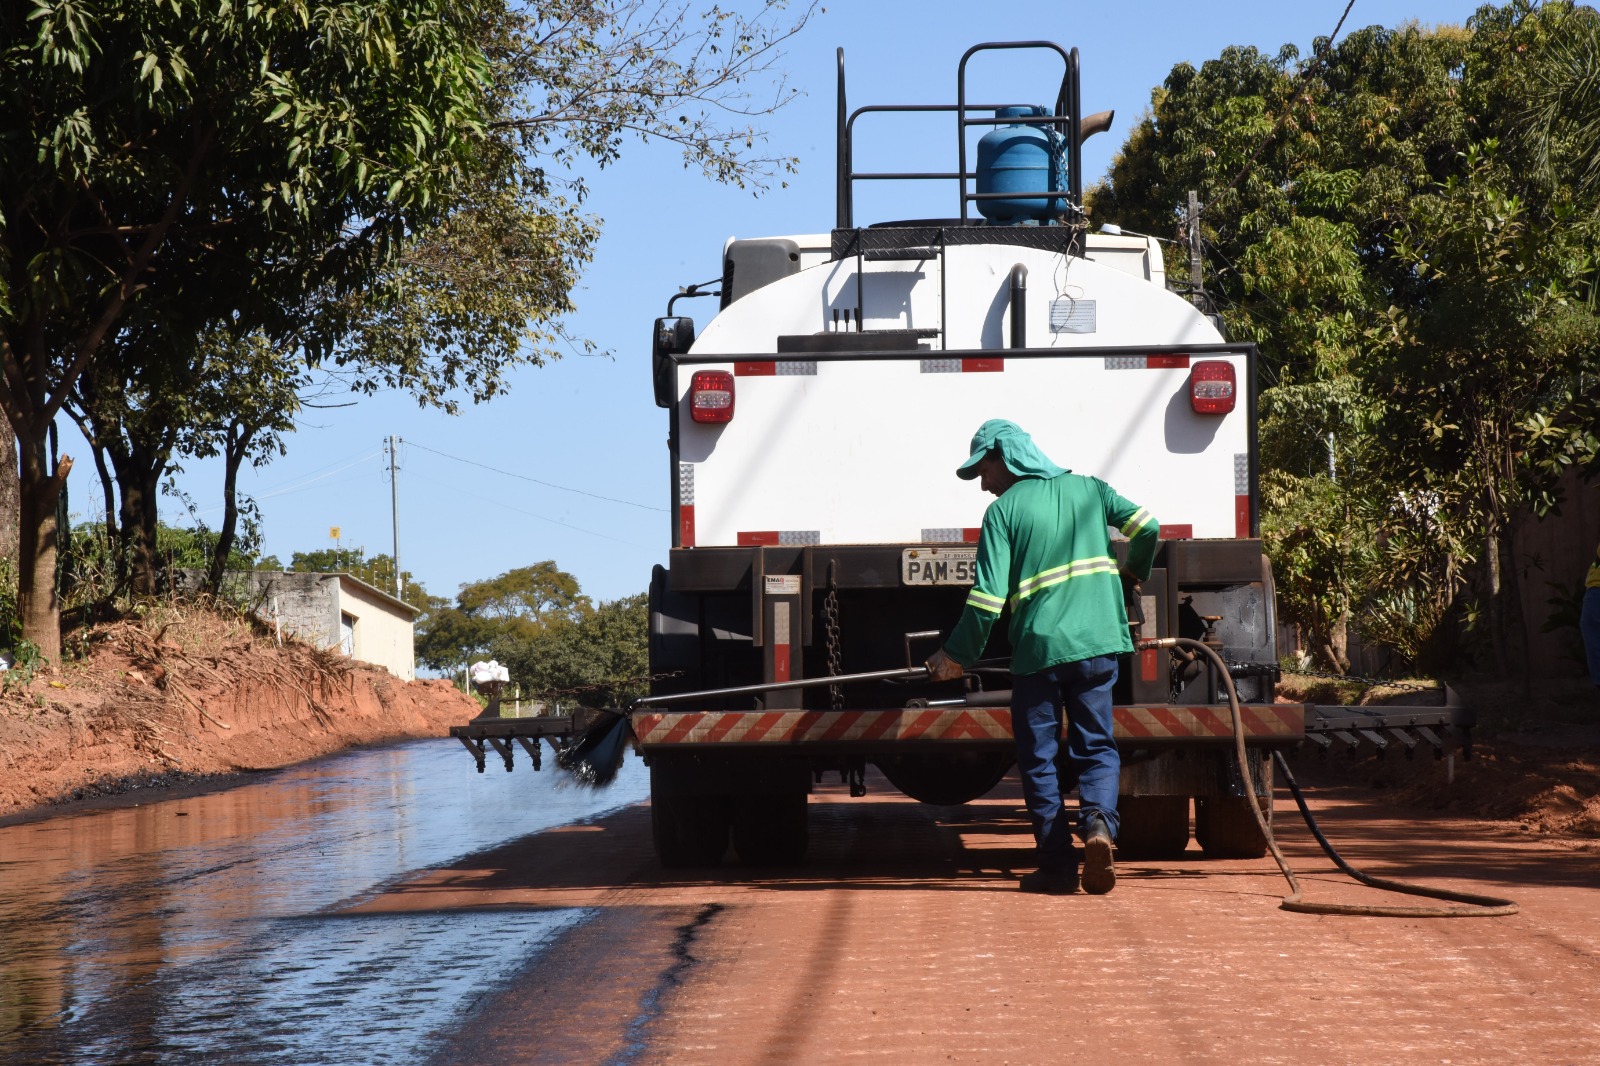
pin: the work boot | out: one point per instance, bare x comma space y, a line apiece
1099, 872
1051, 882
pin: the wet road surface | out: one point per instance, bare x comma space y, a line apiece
903, 939
364, 917
215, 928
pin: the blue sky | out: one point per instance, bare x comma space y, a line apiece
588, 423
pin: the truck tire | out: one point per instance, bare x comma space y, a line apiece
947, 779
689, 831
1153, 827
771, 830
1226, 829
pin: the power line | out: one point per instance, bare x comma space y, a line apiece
307, 483
553, 521
536, 481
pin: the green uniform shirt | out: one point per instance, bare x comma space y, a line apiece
1045, 550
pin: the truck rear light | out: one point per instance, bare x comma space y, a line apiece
711, 396
1212, 387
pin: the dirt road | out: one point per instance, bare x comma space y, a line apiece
904, 939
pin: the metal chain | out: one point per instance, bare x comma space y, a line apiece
830, 618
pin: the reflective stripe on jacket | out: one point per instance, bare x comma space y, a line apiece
1045, 552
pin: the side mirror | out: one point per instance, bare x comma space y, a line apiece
673, 336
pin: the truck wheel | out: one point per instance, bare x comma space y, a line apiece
1153, 827
689, 831
1226, 829
771, 830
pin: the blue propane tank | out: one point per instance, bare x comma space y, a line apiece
1021, 158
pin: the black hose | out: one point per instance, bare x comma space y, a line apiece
1477, 906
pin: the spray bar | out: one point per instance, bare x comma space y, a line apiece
904, 673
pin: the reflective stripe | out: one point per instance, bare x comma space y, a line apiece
1140, 519
985, 602
1102, 564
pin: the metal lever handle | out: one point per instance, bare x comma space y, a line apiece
924, 634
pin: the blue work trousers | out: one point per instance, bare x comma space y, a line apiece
1080, 691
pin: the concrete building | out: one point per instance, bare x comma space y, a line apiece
331, 611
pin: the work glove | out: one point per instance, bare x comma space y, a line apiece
1132, 599
943, 668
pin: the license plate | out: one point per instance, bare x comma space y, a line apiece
938, 566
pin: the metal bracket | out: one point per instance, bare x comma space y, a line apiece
532, 748
476, 748
506, 750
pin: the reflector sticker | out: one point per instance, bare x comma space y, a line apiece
1072, 316
1147, 362
1174, 532
1241, 516
756, 538
766, 368
951, 535
963, 366
1241, 474
664, 728
685, 482
686, 526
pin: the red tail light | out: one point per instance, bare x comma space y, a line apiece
1212, 387
711, 396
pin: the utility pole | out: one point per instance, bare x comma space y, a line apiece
1196, 282
394, 508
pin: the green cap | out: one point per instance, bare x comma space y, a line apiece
1022, 457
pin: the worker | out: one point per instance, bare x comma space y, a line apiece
1589, 620
1045, 551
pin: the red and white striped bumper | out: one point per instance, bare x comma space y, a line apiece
1263, 723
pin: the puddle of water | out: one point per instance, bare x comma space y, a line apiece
190, 930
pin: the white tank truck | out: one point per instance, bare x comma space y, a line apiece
819, 535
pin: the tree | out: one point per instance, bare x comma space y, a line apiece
601, 660
1403, 222
246, 403
282, 148
492, 615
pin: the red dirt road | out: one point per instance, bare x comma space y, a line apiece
904, 939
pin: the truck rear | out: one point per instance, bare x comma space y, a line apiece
818, 530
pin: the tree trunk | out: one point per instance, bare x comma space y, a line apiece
10, 492
39, 541
138, 472
233, 456
1497, 625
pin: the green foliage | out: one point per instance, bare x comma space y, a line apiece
384, 192
1405, 223
10, 622
491, 615
600, 660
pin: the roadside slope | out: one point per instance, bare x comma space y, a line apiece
184, 693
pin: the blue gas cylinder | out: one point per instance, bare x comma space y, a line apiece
1021, 158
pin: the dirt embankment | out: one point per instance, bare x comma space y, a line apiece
182, 695
1535, 756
